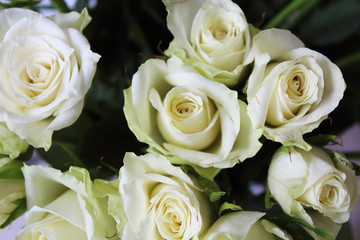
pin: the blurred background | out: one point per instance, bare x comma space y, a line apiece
128, 32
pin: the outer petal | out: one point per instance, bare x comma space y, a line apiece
30, 132
287, 172
44, 184
241, 225
247, 143
182, 12
10, 143
72, 19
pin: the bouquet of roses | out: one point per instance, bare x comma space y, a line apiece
227, 107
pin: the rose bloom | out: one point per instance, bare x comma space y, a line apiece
292, 89
313, 186
213, 35
180, 113
244, 225
66, 205
46, 67
160, 201
12, 189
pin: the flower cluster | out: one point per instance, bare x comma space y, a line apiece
222, 90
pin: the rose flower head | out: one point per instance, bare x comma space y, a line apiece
161, 201
315, 186
188, 117
212, 35
46, 67
291, 89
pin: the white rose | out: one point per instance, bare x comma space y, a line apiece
10, 143
12, 189
213, 35
161, 201
66, 206
46, 67
244, 225
181, 113
292, 89
313, 186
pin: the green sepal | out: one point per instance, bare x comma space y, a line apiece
228, 207
269, 199
208, 186
356, 168
18, 211
12, 170
341, 157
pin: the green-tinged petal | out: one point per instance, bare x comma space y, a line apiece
247, 143
104, 194
237, 225
72, 19
30, 132
10, 143
274, 229
44, 184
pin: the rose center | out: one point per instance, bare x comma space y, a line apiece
171, 212
329, 195
219, 31
296, 85
185, 109
37, 72
190, 110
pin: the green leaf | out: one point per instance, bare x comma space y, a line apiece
323, 140
12, 170
61, 156
60, 5
284, 13
333, 23
287, 220
228, 207
19, 210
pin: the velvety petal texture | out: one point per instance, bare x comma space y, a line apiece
212, 35
46, 67
160, 201
67, 205
314, 186
291, 89
182, 114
